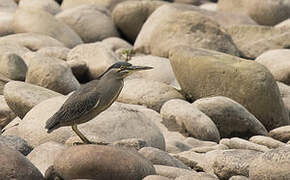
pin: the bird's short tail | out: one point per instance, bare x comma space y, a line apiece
51, 125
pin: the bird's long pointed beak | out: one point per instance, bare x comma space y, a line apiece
138, 68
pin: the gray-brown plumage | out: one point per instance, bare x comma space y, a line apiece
92, 98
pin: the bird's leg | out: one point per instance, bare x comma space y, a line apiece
83, 138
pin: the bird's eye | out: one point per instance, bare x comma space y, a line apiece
122, 67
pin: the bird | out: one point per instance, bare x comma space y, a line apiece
92, 98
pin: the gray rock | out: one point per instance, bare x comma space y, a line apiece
238, 143
22, 97
158, 157
12, 49
102, 162
130, 16
192, 2
110, 4
120, 121
285, 93
131, 143
231, 118
51, 73
97, 56
281, 133
31, 41
115, 43
16, 143
172, 172
246, 82
38, 21
151, 94
45, 154
199, 176
198, 143
233, 162
15, 166
204, 149
49, 6
161, 72
155, 177
190, 119
278, 64
6, 23
273, 164
90, 22
209, 6
253, 41
268, 13
57, 52
166, 27
266, 141
6, 114
238, 178
3, 81
13, 67
191, 159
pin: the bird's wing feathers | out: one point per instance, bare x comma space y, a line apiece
78, 104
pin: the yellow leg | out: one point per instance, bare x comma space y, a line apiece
83, 138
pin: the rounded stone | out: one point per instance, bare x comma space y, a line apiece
231, 118
22, 97
38, 21
273, 164
49, 6
14, 165
202, 73
193, 121
91, 23
102, 162
16, 143
151, 94
13, 67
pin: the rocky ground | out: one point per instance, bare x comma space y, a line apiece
215, 106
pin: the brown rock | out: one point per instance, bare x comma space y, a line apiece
99, 162
203, 73
281, 133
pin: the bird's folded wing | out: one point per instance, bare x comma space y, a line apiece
73, 108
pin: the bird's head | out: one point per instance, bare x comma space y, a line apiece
123, 69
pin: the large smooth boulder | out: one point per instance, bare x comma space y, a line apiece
273, 164
202, 73
254, 40
166, 26
51, 73
57, 52
16, 143
268, 12
238, 143
97, 56
31, 41
233, 162
151, 94
38, 21
102, 162
14, 165
45, 154
13, 67
193, 121
12, 49
90, 22
277, 61
120, 121
22, 97
130, 16
231, 118
49, 6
